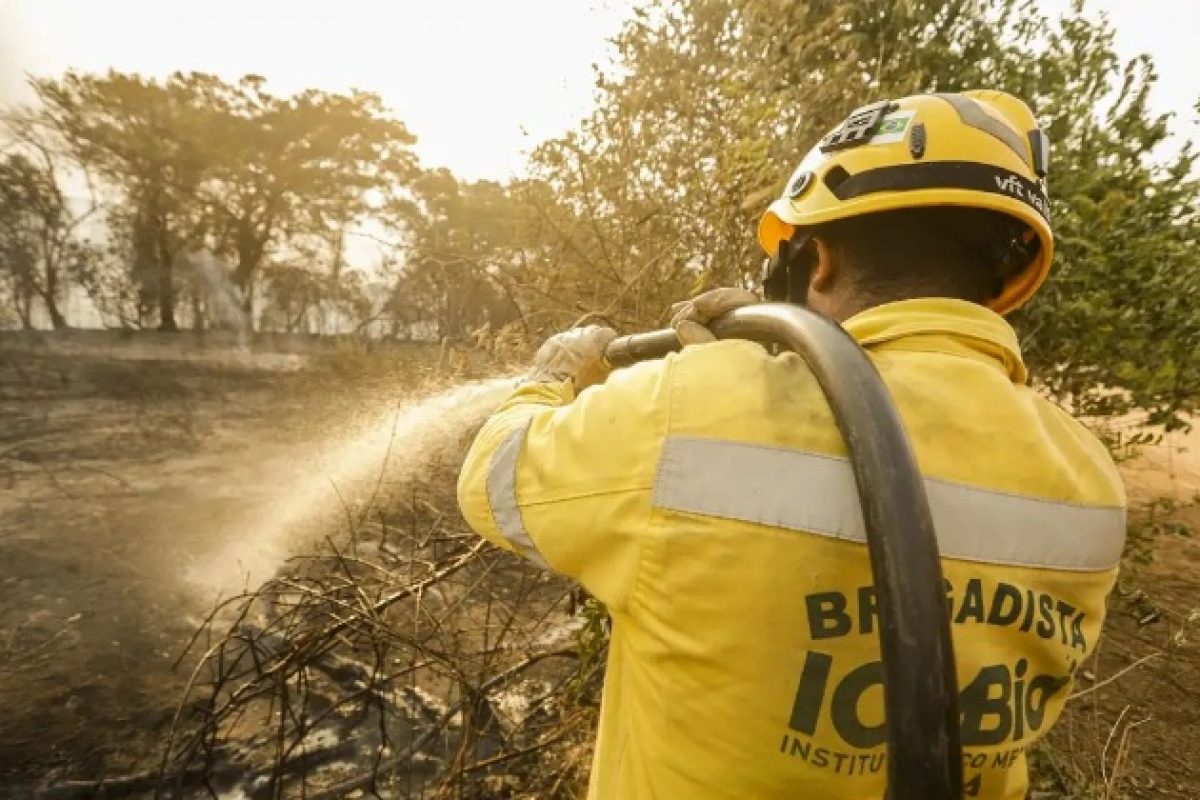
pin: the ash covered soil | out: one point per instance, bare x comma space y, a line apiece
1133, 729
127, 467
134, 473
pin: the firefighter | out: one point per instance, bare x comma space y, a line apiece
706, 498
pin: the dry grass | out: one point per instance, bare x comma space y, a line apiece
411, 660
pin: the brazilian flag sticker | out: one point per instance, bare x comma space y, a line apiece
893, 127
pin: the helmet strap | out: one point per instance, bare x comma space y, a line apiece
788, 272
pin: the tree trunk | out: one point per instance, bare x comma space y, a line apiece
166, 302
51, 253
56, 318
250, 249
50, 298
198, 313
166, 281
248, 304
25, 311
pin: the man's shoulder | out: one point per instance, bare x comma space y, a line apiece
1087, 450
729, 361
736, 369
738, 390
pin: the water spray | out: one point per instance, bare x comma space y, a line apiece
314, 497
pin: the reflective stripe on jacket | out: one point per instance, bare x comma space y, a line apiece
707, 501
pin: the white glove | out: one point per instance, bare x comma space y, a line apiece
689, 317
576, 355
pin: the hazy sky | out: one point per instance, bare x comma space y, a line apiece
478, 81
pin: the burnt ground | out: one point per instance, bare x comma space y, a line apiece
126, 465
1134, 729
1139, 735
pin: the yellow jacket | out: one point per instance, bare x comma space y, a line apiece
706, 500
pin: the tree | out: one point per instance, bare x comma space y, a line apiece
145, 141
39, 226
18, 248
294, 290
462, 238
200, 163
713, 102
308, 165
1115, 328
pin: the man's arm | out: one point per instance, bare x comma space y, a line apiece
566, 481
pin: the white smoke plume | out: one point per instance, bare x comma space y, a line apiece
224, 301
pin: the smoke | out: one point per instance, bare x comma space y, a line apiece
224, 301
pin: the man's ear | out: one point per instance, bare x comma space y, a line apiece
825, 269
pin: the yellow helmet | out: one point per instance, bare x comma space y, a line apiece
981, 149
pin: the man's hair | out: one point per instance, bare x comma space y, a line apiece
935, 251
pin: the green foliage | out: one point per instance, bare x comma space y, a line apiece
1113, 329
593, 642
712, 102
1152, 520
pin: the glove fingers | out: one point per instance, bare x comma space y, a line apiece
684, 311
599, 337
721, 301
577, 354
690, 332
689, 317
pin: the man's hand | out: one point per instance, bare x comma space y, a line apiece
576, 355
690, 317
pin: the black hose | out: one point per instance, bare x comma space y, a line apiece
920, 686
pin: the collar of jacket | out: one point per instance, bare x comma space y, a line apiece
941, 325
